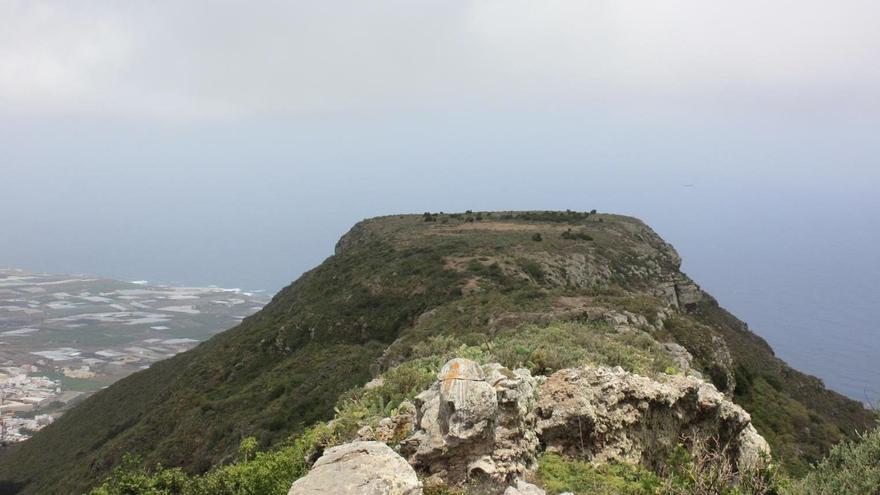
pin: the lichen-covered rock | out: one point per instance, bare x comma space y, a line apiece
754, 451
687, 293
363, 468
680, 356
488, 423
467, 403
475, 421
523, 488
607, 414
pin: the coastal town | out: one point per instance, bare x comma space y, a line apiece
64, 337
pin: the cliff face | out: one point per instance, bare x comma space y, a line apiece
403, 288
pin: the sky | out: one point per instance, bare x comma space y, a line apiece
176, 62
178, 126
232, 143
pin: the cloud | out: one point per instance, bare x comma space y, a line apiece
51, 55
217, 60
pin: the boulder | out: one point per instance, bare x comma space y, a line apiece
363, 468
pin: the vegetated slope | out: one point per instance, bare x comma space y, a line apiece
398, 282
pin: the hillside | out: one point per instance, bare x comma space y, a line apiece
401, 288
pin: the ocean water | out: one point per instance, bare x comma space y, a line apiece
804, 275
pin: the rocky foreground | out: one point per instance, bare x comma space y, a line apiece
487, 425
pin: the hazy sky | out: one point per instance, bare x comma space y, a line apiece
232, 142
191, 61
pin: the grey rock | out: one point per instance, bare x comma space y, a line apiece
687, 293
607, 414
680, 355
489, 423
754, 452
467, 402
364, 468
524, 488
475, 422
374, 383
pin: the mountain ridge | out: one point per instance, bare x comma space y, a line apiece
393, 283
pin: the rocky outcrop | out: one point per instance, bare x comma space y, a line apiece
488, 422
679, 292
364, 468
680, 356
475, 422
607, 414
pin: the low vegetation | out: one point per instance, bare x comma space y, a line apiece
577, 236
851, 467
558, 475
255, 473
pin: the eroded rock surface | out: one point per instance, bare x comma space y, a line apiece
475, 422
488, 422
523, 488
605, 414
364, 468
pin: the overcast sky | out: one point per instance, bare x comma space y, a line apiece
183, 61
232, 142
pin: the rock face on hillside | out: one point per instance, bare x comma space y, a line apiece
490, 423
606, 414
364, 468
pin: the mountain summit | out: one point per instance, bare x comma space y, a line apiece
542, 291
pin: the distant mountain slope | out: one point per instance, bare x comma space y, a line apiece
393, 283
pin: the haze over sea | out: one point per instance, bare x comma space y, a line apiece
778, 219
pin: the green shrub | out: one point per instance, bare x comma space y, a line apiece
583, 236
551, 216
702, 472
532, 269
545, 349
851, 467
537, 237
706, 470
558, 475
361, 406
260, 473
129, 478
